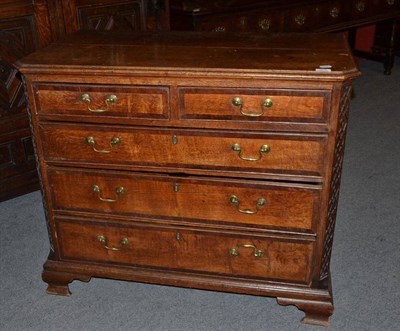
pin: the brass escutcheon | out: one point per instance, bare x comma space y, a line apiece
103, 240
111, 99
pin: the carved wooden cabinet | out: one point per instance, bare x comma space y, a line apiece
26, 26
193, 160
266, 16
18, 36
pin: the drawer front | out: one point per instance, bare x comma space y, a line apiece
180, 249
283, 154
322, 16
209, 200
360, 9
261, 21
253, 105
102, 102
308, 18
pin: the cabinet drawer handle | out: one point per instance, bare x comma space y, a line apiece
264, 149
118, 191
103, 240
113, 142
111, 99
234, 200
257, 252
238, 102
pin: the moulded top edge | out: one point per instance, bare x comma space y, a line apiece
186, 52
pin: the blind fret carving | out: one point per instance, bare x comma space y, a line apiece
335, 180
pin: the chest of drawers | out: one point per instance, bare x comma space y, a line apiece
191, 160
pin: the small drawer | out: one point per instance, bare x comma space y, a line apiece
360, 9
222, 201
186, 250
101, 101
253, 105
308, 18
282, 154
247, 21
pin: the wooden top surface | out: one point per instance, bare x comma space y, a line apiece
199, 52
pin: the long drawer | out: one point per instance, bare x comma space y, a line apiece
265, 204
197, 149
181, 249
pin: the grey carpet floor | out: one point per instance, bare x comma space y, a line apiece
365, 262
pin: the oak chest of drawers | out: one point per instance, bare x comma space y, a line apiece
191, 160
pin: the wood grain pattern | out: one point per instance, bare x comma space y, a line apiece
43, 22
152, 51
187, 199
286, 105
194, 251
289, 154
132, 102
162, 210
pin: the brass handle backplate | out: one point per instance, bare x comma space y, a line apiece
113, 142
234, 200
334, 12
360, 6
300, 19
110, 100
238, 102
264, 149
103, 240
118, 191
257, 252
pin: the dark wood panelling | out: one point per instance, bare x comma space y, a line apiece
125, 16
26, 26
17, 168
42, 22
293, 16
